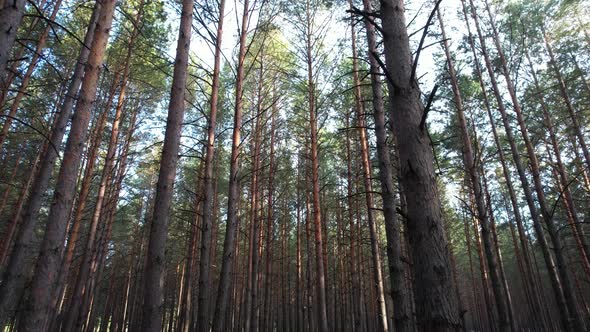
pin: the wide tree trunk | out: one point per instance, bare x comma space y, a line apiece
402, 316
64, 192
153, 310
11, 16
437, 306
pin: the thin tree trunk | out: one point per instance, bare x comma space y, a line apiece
76, 308
575, 316
110, 207
266, 313
76, 223
309, 305
14, 221
567, 100
560, 277
27, 76
474, 288
563, 176
315, 180
204, 311
505, 321
507, 175
485, 283
354, 277
366, 167
229, 244
7, 190
299, 298
251, 303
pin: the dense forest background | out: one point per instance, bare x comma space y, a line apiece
308, 165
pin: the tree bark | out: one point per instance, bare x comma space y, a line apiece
366, 167
266, 313
11, 16
204, 310
469, 162
7, 190
27, 76
563, 175
76, 223
229, 243
65, 187
250, 303
561, 279
507, 177
436, 301
567, 100
401, 316
76, 311
315, 179
153, 310
14, 221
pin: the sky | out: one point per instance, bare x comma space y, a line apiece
338, 28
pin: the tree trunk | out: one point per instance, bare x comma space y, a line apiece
402, 317
504, 319
76, 311
9, 186
354, 274
366, 167
48, 262
266, 313
436, 300
14, 221
507, 176
299, 297
251, 303
567, 100
27, 76
229, 243
204, 307
16, 267
153, 310
315, 180
563, 176
11, 16
76, 223
560, 276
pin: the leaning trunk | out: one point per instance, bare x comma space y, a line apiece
153, 310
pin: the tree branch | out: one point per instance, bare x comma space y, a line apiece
424, 33
427, 108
